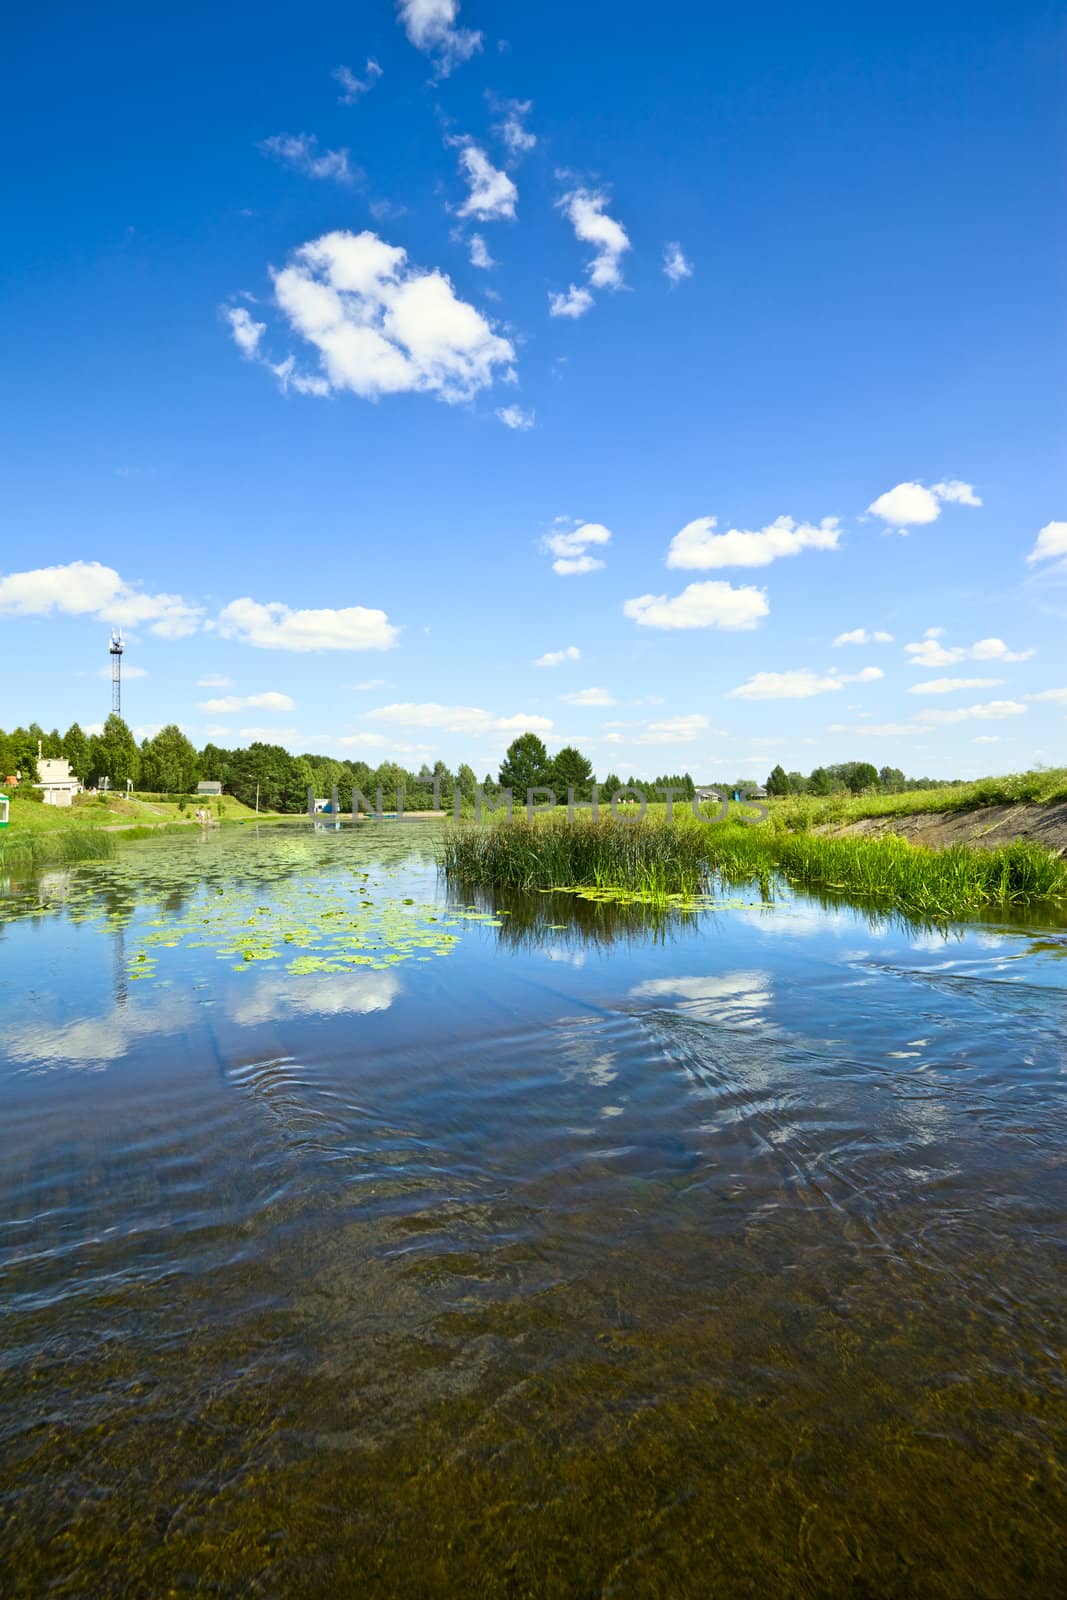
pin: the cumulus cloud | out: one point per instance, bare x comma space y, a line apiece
555, 658
950, 685
301, 152
214, 680
913, 504
675, 265
930, 652
696, 547
515, 418
353, 741
246, 332
570, 547
584, 210
272, 700
861, 636
431, 27
1051, 542
275, 626
479, 252
991, 711
513, 130
352, 87
590, 697
800, 684
87, 588
492, 195
382, 326
574, 302
673, 730
714, 604
459, 719
1057, 696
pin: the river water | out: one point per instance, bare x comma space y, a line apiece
362, 1236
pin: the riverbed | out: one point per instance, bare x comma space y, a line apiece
362, 1234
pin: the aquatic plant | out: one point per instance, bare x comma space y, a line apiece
657, 860
23, 852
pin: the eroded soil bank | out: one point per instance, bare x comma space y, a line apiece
986, 826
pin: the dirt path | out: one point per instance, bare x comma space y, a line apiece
987, 826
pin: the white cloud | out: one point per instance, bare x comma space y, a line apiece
675, 265
570, 547
513, 130
515, 418
276, 627
800, 684
574, 303
1057, 696
300, 151
492, 193
246, 332
354, 87
584, 209
382, 326
86, 588
929, 652
674, 730
950, 685
991, 711
353, 741
1051, 541
589, 697
480, 256
214, 680
554, 658
272, 700
861, 636
696, 547
459, 719
128, 672
987, 738
714, 604
912, 504
431, 27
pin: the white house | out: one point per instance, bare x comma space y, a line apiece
57, 783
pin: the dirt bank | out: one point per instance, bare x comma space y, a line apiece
986, 826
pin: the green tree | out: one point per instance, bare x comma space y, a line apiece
76, 749
169, 763
798, 784
820, 782
891, 778
863, 775
778, 782
571, 770
467, 783
113, 754
525, 766
611, 785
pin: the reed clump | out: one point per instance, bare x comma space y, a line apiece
659, 859
25, 852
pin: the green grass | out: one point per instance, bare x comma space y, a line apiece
27, 851
656, 859
798, 812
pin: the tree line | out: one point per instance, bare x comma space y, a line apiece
169, 763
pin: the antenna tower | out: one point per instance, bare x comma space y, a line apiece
116, 649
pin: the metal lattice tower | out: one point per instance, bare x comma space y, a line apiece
116, 650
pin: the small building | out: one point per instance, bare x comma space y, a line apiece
212, 789
57, 783
703, 795
5, 807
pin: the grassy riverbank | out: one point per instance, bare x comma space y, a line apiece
658, 859
798, 812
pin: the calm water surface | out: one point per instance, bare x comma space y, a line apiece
360, 1237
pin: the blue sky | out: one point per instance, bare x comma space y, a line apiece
344, 484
